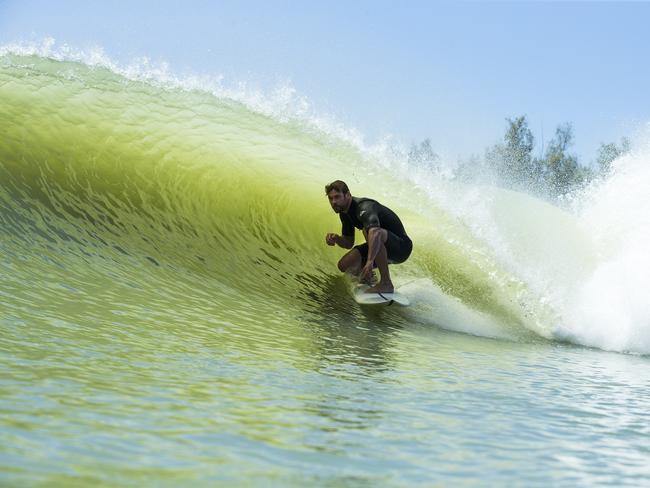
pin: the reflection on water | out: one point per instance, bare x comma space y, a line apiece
115, 388
341, 332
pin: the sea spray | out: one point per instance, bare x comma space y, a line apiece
610, 309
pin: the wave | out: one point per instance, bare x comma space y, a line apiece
191, 199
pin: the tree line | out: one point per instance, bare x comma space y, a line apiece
512, 164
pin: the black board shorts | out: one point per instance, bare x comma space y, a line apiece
398, 249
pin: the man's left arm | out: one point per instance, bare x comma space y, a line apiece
374, 235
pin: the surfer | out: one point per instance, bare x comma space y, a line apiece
386, 240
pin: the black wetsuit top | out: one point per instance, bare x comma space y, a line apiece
365, 213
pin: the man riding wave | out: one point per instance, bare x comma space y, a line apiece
386, 240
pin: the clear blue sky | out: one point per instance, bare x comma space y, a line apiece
448, 71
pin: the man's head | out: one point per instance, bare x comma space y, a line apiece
339, 196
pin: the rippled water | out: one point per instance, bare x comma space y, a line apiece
352, 402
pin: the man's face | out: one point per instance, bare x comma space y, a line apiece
339, 201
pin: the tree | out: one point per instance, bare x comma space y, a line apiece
512, 161
609, 152
554, 175
561, 170
423, 155
470, 169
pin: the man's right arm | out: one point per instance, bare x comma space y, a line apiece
345, 241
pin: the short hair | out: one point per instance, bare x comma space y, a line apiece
337, 185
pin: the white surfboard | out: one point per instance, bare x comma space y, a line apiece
363, 298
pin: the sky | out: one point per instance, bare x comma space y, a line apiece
448, 71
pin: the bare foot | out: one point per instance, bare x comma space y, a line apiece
371, 280
381, 288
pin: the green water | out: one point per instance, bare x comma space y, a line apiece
170, 314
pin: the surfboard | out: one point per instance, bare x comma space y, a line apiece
363, 298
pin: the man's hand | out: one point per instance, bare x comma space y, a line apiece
331, 239
366, 273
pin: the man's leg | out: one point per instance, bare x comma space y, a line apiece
350, 262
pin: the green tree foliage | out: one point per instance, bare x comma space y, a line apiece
512, 162
555, 174
608, 153
560, 169
469, 170
423, 156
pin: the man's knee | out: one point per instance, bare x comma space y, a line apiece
350, 260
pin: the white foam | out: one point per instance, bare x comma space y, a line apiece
431, 306
611, 308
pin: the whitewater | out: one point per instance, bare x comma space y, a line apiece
171, 314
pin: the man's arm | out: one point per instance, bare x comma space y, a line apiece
346, 241
343, 241
376, 236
